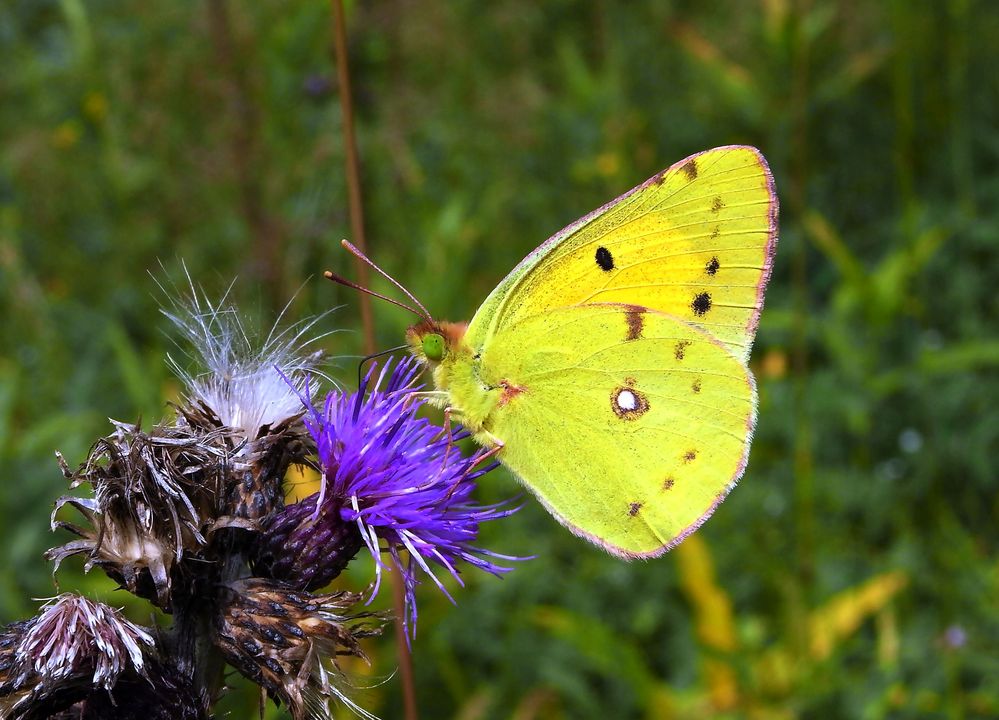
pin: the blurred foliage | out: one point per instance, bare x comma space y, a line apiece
854, 573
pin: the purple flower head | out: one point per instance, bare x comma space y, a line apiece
402, 480
955, 637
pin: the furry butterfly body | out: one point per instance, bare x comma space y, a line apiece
609, 367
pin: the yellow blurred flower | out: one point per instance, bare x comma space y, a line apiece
840, 617
66, 135
608, 164
774, 364
300, 482
95, 106
713, 616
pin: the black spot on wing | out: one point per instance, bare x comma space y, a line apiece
717, 205
689, 169
690, 456
696, 386
668, 483
701, 303
680, 349
604, 259
633, 508
712, 267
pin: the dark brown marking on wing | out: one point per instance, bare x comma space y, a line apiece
633, 315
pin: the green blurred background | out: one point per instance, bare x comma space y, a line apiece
854, 571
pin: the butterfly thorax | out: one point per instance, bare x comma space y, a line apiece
456, 372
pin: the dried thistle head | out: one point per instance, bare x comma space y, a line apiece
288, 642
158, 494
10, 638
154, 496
71, 650
251, 387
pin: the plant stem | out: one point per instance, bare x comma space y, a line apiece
357, 228
353, 170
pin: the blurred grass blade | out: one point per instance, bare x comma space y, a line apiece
713, 618
841, 616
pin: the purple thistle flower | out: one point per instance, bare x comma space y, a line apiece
402, 480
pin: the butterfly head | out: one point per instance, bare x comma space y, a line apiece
432, 341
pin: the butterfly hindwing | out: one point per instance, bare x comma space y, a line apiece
696, 241
630, 425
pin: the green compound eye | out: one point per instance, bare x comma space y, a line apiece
433, 347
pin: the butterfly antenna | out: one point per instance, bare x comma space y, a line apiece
361, 256
344, 281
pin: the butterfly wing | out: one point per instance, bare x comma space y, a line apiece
696, 241
630, 425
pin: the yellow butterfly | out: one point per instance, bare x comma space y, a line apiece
608, 369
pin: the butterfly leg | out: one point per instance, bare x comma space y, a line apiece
434, 397
448, 412
487, 439
480, 461
491, 452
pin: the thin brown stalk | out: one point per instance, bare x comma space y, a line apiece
353, 170
353, 166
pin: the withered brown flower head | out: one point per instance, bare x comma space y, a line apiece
288, 641
155, 494
158, 495
72, 648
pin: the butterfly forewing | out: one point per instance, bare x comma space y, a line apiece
695, 241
